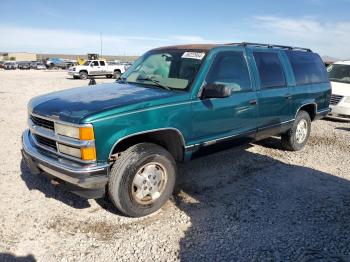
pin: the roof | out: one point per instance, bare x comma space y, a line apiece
346, 62
207, 47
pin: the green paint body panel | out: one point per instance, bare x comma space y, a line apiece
200, 121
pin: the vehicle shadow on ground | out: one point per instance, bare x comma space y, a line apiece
343, 128
7, 257
246, 206
41, 183
271, 142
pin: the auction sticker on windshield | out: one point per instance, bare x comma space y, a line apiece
194, 55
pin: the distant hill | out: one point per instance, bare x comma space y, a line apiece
329, 59
74, 57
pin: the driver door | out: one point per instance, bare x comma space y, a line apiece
95, 68
217, 118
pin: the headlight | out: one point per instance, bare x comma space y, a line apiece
82, 133
85, 153
347, 100
71, 151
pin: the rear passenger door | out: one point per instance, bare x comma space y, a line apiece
103, 68
274, 99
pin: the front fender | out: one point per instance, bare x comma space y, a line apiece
110, 130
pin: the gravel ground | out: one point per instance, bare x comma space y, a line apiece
254, 202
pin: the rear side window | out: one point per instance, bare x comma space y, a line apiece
102, 63
270, 69
308, 67
230, 69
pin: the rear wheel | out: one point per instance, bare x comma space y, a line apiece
296, 137
142, 179
117, 74
83, 75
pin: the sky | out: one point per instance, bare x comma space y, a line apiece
135, 26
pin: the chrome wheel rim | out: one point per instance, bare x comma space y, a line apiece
149, 183
301, 131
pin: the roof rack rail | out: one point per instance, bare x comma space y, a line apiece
271, 46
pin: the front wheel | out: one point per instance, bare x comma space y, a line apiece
297, 136
83, 75
142, 179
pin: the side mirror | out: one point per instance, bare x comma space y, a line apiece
215, 91
92, 65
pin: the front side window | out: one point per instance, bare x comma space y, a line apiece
308, 67
339, 73
174, 69
230, 69
95, 63
270, 70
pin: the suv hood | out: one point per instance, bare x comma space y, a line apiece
342, 89
73, 105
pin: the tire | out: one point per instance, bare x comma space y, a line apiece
117, 74
297, 136
142, 161
109, 76
83, 75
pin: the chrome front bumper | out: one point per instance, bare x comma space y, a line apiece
73, 73
87, 180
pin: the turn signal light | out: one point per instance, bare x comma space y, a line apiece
86, 133
88, 153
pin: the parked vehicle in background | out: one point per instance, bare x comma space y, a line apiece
96, 68
40, 66
339, 75
10, 65
69, 64
126, 137
23, 65
56, 63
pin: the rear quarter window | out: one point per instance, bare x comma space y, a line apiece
308, 67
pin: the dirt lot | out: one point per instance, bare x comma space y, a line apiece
254, 202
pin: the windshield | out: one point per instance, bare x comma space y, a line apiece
339, 73
173, 69
87, 63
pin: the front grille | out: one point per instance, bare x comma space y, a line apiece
38, 121
335, 99
46, 142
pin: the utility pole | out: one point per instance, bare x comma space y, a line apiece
101, 44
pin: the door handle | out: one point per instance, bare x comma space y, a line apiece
253, 102
289, 97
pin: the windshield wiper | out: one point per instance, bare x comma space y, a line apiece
155, 82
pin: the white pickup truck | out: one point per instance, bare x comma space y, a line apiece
96, 68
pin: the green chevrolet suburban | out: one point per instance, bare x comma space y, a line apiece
124, 139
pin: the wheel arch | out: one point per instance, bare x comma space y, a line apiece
169, 138
310, 108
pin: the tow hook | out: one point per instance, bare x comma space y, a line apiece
55, 182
